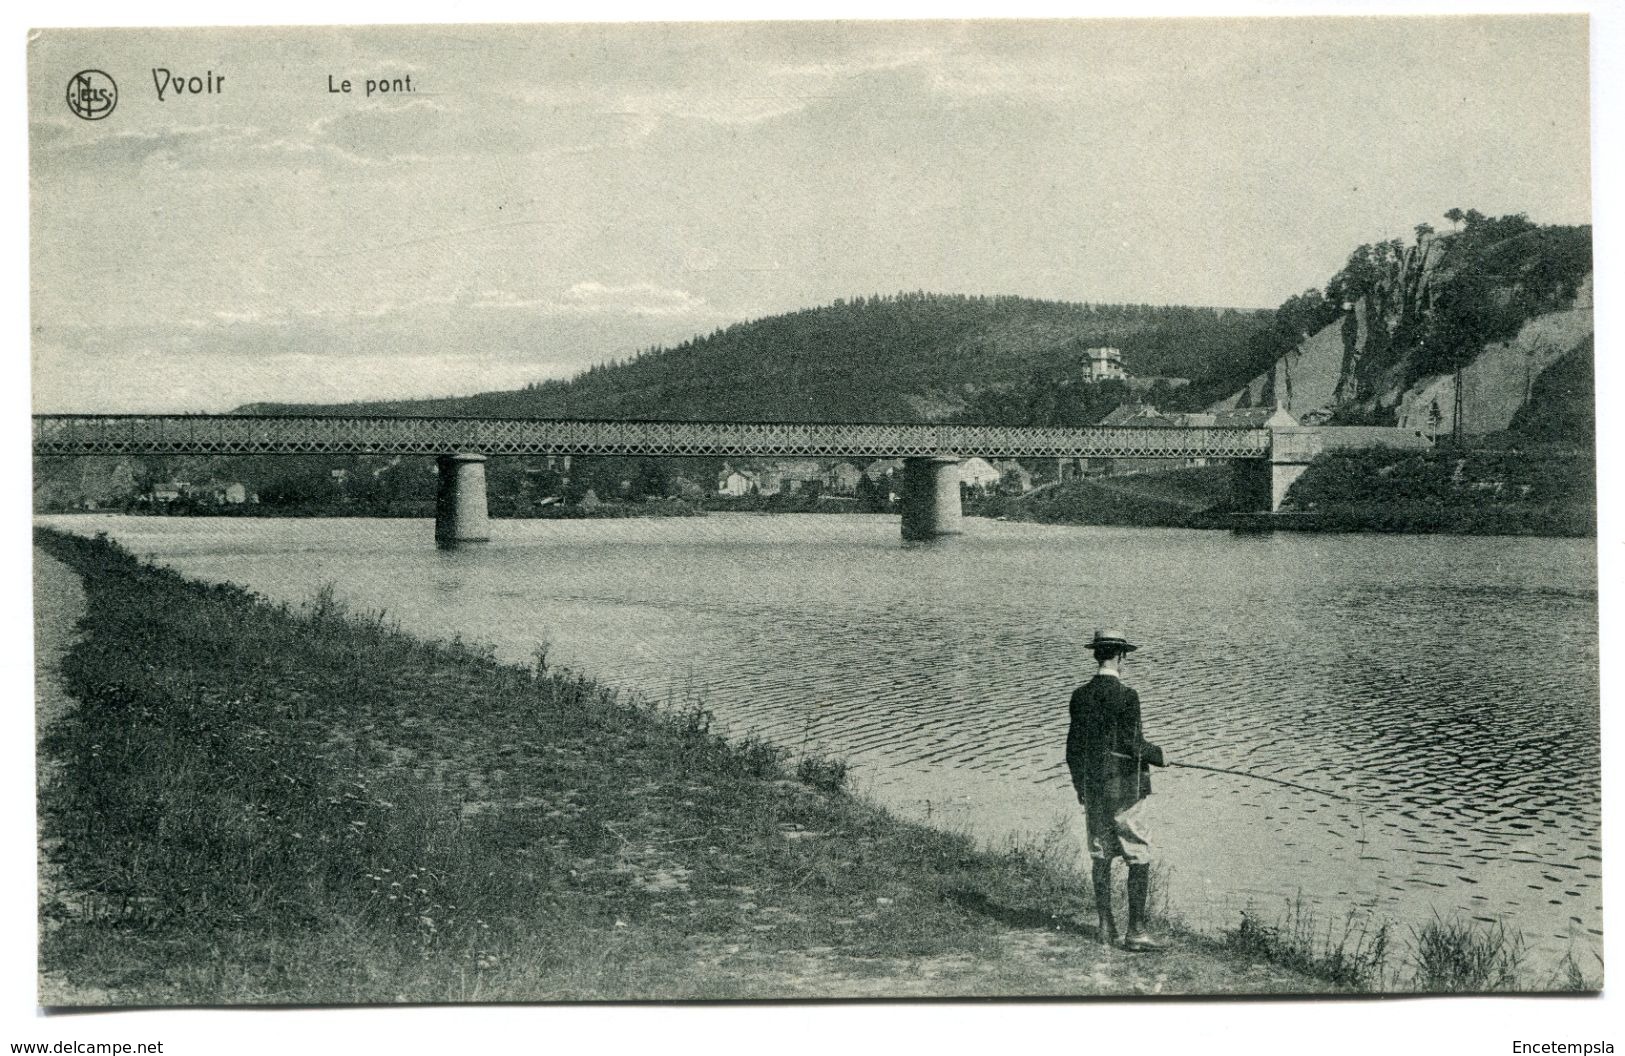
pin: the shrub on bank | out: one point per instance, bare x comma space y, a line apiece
1458, 956
1191, 497
1529, 490
1445, 955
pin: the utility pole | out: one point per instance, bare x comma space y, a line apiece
1455, 417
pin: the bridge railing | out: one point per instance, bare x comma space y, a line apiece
327, 434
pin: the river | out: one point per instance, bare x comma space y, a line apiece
1447, 687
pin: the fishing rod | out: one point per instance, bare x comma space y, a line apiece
1261, 777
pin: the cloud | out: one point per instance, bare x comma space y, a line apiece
217, 359
638, 298
220, 146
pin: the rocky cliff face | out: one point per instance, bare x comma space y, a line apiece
1379, 361
1501, 379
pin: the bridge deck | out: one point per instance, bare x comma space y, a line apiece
357, 435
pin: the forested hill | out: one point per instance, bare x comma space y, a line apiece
908, 357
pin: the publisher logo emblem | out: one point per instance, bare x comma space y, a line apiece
92, 95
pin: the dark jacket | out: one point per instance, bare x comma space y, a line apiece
1106, 750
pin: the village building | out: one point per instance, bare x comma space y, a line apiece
685, 489
979, 473
1146, 384
791, 477
1134, 414
1275, 417
736, 482
1137, 415
880, 469
885, 477
1143, 415
1103, 364
842, 479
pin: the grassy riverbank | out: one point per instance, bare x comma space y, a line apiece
1193, 497
250, 803
256, 804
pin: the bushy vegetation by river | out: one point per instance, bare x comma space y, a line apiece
1505, 488
1502, 486
1193, 497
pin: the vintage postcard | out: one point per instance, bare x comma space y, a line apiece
814, 510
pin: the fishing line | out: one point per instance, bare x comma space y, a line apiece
1359, 807
1261, 777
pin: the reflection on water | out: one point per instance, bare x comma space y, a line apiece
1447, 686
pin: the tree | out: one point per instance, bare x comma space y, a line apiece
1455, 216
1423, 230
650, 478
1304, 313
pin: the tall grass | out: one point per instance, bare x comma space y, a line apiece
1352, 952
822, 772
1443, 955
1460, 956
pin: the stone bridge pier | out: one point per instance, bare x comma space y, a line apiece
459, 506
1259, 485
930, 498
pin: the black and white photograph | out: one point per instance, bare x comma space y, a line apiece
823, 510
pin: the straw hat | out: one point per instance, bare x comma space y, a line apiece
1111, 637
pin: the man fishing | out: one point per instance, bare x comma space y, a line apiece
1110, 760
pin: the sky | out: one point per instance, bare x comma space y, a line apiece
548, 197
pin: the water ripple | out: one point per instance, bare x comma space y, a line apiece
1411, 675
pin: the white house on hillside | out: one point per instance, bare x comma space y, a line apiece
1103, 364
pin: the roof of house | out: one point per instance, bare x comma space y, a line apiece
978, 467
800, 469
1254, 417
1131, 413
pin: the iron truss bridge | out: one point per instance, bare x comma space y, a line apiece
89, 434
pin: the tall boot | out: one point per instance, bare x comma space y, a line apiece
1139, 892
1102, 877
